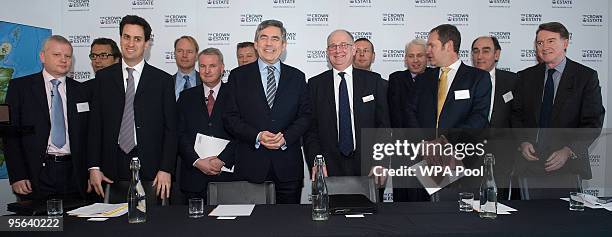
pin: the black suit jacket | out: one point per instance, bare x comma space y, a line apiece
154, 115
322, 137
248, 114
400, 84
505, 82
577, 104
471, 112
25, 154
193, 118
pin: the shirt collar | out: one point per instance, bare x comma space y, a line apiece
138, 67
492, 73
262, 65
192, 74
561, 66
455, 65
348, 71
215, 89
48, 77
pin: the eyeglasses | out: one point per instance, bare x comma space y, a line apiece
364, 51
336, 47
93, 56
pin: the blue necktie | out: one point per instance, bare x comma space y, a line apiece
187, 84
547, 100
58, 128
345, 131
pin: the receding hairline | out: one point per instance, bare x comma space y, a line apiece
350, 36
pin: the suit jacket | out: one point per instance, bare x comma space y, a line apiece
248, 114
577, 104
198, 80
471, 112
322, 137
505, 82
154, 115
26, 153
193, 118
400, 85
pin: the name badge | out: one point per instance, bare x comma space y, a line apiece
462, 94
368, 98
83, 107
508, 97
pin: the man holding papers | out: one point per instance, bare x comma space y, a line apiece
200, 111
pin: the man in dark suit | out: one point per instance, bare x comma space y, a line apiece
50, 161
453, 95
400, 82
103, 53
133, 115
268, 112
185, 53
344, 100
556, 93
486, 52
200, 110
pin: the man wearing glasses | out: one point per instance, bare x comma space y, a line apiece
343, 100
364, 56
103, 53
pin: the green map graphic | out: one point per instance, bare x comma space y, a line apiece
20, 46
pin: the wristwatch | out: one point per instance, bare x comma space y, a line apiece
573, 156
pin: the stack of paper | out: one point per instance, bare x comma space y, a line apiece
207, 146
232, 210
590, 201
100, 210
501, 208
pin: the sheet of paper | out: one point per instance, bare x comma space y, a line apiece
102, 210
607, 206
207, 146
355, 216
430, 185
501, 208
226, 217
232, 210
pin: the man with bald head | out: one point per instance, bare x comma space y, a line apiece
344, 100
49, 162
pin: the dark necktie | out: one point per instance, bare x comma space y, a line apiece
211, 102
270, 86
345, 130
547, 100
187, 84
58, 128
126, 133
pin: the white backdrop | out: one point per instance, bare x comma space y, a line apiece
389, 24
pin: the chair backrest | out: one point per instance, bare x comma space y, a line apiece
241, 192
548, 186
117, 193
352, 185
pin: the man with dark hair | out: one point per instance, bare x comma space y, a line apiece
486, 52
364, 54
195, 117
556, 93
103, 53
453, 95
185, 53
133, 115
268, 112
49, 162
246, 53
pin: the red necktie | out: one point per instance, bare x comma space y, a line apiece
211, 102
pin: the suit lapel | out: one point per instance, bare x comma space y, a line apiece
538, 87
39, 91
118, 79
359, 86
71, 100
216, 105
449, 94
255, 82
497, 95
565, 87
328, 93
283, 82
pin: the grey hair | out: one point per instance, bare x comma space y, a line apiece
212, 51
417, 41
268, 23
342, 30
56, 38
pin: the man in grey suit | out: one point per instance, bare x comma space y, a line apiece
185, 53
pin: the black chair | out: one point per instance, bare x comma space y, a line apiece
548, 186
352, 185
117, 193
241, 192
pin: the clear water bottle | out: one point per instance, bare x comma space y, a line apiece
137, 205
488, 190
320, 198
